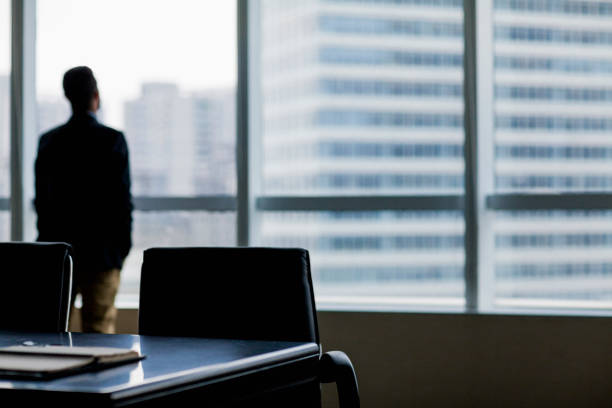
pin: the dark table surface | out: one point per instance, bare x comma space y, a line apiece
169, 362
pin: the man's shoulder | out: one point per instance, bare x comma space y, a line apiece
114, 136
48, 136
106, 136
108, 130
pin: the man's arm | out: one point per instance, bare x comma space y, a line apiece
123, 197
41, 193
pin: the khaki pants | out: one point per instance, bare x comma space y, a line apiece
98, 291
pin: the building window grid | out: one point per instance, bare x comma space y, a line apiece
539, 271
542, 93
390, 150
426, 3
377, 26
515, 122
389, 274
335, 86
359, 55
532, 34
596, 8
550, 64
558, 123
557, 240
552, 152
554, 182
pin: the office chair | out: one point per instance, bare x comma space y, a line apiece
35, 286
238, 293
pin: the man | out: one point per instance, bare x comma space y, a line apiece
83, 198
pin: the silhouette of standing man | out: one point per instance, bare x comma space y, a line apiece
83, 198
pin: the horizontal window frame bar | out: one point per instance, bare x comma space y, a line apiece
512, 201
561, 201
212, 203
5, 204
360, 203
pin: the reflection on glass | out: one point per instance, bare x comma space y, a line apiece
553, 259
137, 373
553, 96
172, 228
376, 258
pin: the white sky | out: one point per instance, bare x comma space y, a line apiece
127, 42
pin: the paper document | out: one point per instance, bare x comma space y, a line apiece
42, 361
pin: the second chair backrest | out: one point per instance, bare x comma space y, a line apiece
239, 293
35, 285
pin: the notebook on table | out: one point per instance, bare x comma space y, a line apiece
44, 362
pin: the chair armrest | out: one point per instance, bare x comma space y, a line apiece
335, 366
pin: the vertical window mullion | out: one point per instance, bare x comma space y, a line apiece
470, 156
242, 126
23, 110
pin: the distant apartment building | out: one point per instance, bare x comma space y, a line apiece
181, 145
52, 112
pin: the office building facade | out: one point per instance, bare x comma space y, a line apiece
365, 98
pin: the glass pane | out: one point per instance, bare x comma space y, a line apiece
377, 259
5, 225
365, 98
361, 97
172, 228
171, 90
553, 259
553, 95
168, 81
5, 68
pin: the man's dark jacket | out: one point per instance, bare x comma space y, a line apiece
83, 192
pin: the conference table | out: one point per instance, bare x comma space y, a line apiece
176, 370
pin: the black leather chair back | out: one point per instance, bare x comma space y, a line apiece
35, 285
239, 293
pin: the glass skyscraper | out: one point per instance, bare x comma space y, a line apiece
364, 97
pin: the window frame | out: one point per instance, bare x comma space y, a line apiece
478, 202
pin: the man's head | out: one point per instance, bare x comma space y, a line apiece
81, 89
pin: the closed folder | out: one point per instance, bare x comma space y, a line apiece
53, 361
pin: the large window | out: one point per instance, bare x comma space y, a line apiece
167, 77
364, 110
550, 221
430, 154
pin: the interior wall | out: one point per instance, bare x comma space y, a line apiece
459, 360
